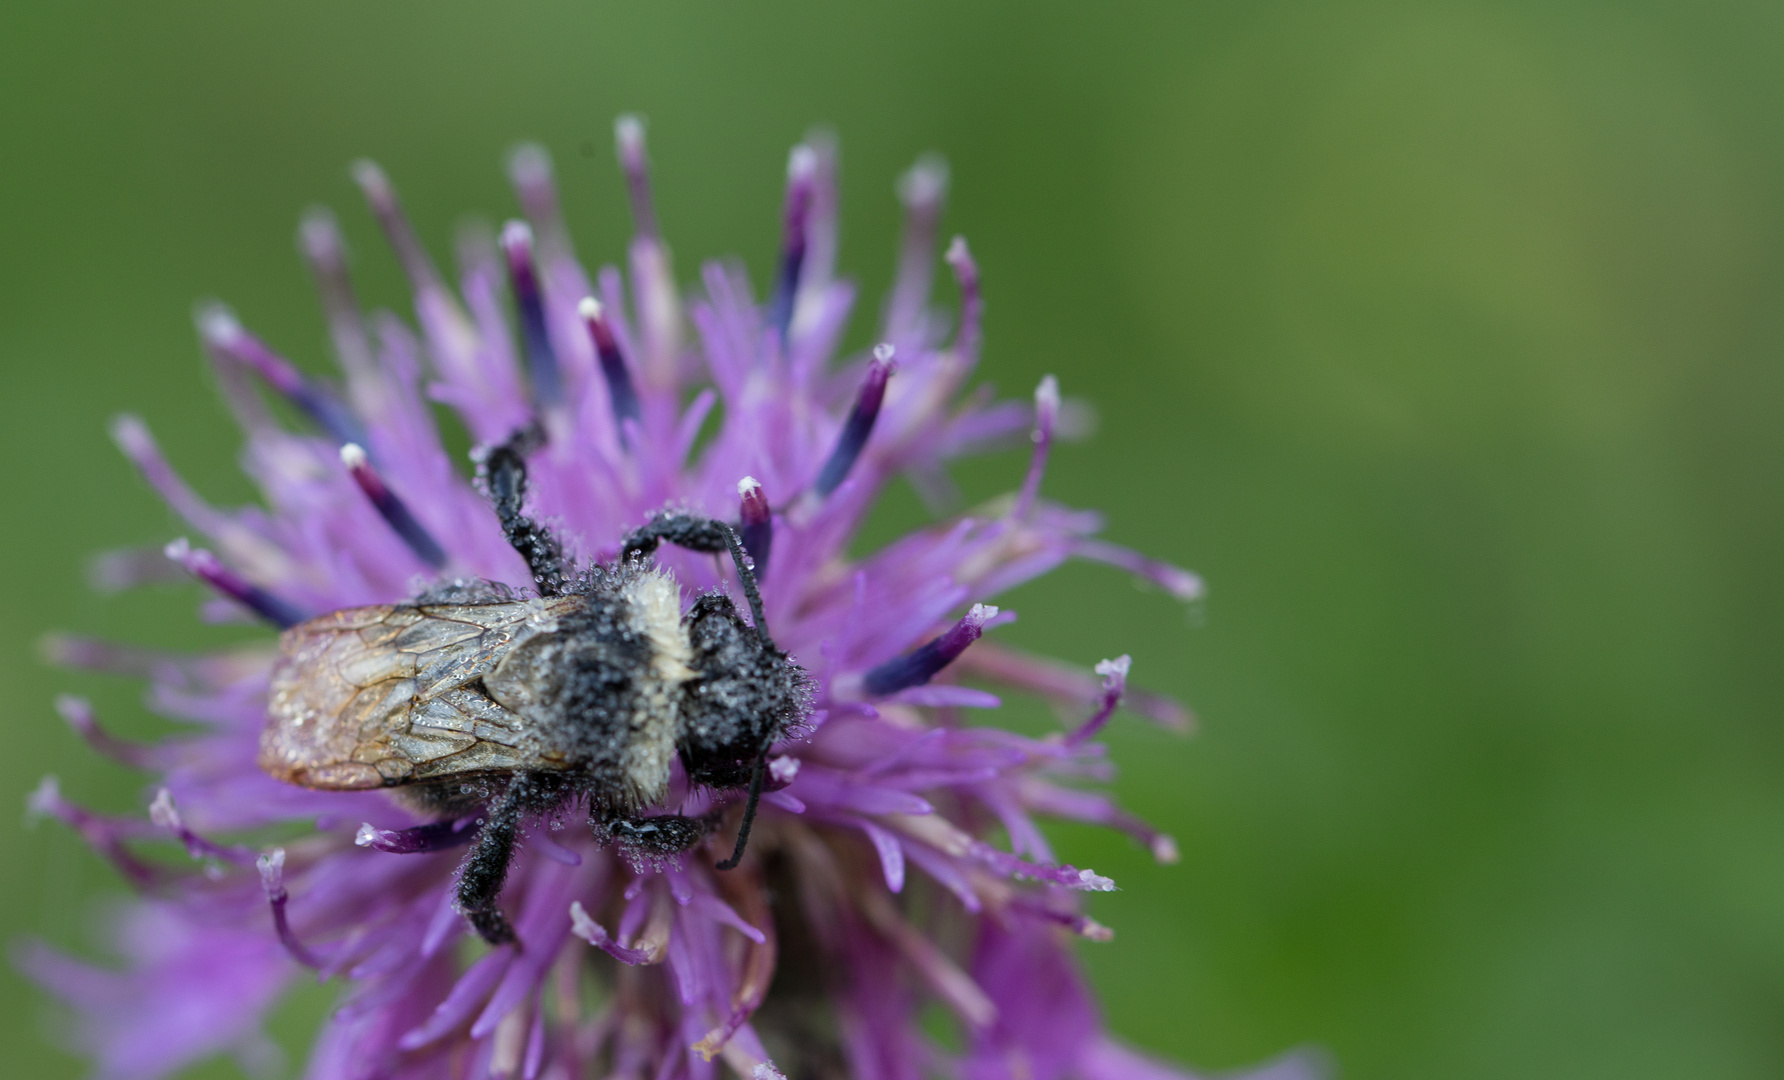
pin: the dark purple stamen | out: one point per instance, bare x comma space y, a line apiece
227, 338
434, 836
628, 137
204, 566
800, 169
272, 880
78, 712
860, 423
529, 303
393, 510
756, 525
917, 668
613, 366
1114, 673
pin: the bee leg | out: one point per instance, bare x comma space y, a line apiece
486, 869
656, 837
705, 535
749, 812
505, 471
682, 530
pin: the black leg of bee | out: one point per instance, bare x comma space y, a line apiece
657, 837
693, 533
749, 812
506, 470
706, 535
486, 869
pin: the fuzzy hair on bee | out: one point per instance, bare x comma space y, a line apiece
473, 700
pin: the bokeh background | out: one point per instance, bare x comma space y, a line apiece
1444, 339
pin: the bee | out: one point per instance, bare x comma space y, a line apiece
472, 700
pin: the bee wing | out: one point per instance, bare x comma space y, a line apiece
378, 696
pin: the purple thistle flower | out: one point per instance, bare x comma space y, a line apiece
870, 885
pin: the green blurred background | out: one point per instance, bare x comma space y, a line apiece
1443, 339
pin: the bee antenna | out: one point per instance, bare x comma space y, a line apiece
749, 809
747, 577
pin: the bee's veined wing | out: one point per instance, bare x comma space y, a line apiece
377, 696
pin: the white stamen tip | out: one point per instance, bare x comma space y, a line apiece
924, 183
375, 186
366, 834
748, 486
783, 769
272, 869
178, 549
884, 352
1046, 395
628, 131
802, 162
1182, 584
589, 308
767, 1071
1095, 882
217, 324
368, 175
981, 614
585, 927
77, 712
1096, 931
319, 236
163, 812
44, 799
1164, 850
1118, 666
528, 163
352, 455
132, 436
517, 234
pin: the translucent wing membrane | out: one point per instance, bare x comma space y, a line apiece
377, 696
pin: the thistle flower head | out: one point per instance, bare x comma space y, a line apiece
896, 860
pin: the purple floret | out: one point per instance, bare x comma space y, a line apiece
897, 860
